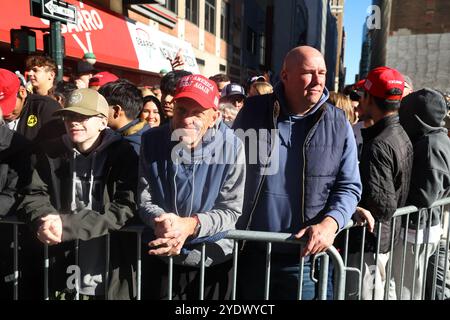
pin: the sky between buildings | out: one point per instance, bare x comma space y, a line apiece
355, 12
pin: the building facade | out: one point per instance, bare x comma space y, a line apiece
306, 22
133, 38
337, 9
416, 43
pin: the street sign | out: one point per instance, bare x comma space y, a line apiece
59, 10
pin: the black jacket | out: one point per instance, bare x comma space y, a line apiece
50, 192
15, 172
15, 168
385, 167
37, 122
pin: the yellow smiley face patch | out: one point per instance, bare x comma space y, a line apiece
32, 120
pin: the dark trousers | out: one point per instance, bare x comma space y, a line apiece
30, 264
284, 277
442, 285
186, 280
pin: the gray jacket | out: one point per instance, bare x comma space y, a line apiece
209, 184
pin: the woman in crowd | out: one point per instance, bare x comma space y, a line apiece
152, 112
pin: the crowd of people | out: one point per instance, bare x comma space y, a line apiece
195, 157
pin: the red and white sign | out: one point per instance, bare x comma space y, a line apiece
109, 36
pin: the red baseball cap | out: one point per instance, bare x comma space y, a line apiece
381, 80
102, 78
200, 89
359, 85
9, 87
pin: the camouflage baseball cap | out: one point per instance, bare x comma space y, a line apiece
87, 102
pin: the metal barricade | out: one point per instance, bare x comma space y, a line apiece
436, 281
235, 235
394, 285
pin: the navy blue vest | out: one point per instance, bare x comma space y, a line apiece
323, 153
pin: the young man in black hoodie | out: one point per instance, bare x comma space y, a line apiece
81, 190
422, 116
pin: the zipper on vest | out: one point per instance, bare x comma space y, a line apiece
305, 145
276, 113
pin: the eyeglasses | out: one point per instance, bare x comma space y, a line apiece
77, 117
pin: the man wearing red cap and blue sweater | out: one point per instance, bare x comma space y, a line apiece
385, 168
191, 186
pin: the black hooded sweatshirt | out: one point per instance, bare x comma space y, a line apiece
421, 115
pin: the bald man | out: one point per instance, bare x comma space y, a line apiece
308, 184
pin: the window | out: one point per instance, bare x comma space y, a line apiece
210, 16
262, 49
172, 5
251, 40
192, 11
225, 21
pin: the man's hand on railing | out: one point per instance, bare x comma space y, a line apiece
50, 229
362, 215
171, 232
320, 236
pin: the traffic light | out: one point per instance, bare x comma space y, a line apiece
23, 41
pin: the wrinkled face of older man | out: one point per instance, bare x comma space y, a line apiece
304, 76
191, 121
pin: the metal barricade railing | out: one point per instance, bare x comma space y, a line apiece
235, 235
339, 259
286, 238
389, 289
15, 272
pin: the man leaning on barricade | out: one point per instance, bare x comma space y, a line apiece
83, 187
422, 114
385, 167
304, 180
191, 187
15, 172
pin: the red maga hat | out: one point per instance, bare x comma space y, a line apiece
200, 89
102, 78
9, 87
380, 82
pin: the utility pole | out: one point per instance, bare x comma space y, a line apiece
57, 12
56, 47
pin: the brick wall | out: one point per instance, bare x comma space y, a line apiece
191, 34
210, 43
420, 16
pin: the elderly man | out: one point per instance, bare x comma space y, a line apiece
191, 186
308, 185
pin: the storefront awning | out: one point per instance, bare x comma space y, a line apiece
112, 38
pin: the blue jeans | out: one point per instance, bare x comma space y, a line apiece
284, 277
